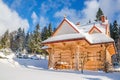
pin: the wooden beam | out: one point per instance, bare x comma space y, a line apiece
51, 62
77, 57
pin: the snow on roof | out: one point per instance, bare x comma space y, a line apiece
101, 27
92, 38
86, 28
45, 47
98, 38
64, 37
84, 33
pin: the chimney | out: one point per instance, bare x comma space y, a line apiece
78, 24
103, 18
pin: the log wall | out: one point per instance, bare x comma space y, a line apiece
70, 55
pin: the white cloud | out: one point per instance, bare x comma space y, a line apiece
34, 18
43, 21
110, 8
44, 8
9, 19
50, 5
71, 13
88, 13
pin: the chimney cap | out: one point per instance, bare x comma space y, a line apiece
103, 18
78, 23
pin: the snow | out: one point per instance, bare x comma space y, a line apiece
28, 69
24, 73
117, 69
92, 38
87, 27
64, 37
12, 68
32, 63
98, 38
45, 47
83, 33
1, 54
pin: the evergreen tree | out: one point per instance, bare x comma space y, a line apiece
27, 38
50, 30
18, 40
111, 32
30, 43
5, 40
23, 38
13, 43
115, 31
35, 40
44, 33
99, 14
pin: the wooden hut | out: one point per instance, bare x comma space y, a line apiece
86, 46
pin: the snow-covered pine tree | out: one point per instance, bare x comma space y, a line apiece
30, 43
115, 31
27, 39
35, 40
19, 40
50, 31
111, 27
44, 33
115, 35
12, 40
5, 40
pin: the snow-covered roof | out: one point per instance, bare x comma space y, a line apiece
45, 47
83, 32
64, 37
87, 27
98, 38
91, 38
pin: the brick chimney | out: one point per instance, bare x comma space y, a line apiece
103, 18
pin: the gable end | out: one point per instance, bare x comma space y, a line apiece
94, 29
68, 26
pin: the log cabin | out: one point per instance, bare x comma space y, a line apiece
74, 46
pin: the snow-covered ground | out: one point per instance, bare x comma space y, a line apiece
29, 69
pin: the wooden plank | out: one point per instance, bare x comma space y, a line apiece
65, 54
66, 57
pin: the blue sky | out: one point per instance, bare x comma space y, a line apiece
27, 13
